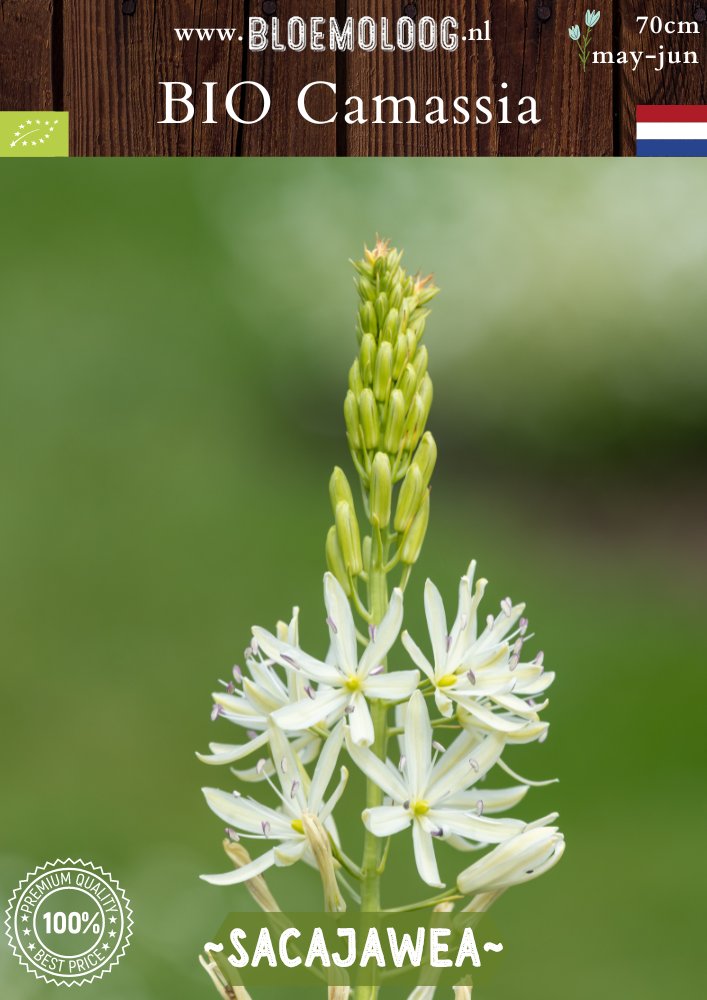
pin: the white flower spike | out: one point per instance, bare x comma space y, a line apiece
424, 791
347, 684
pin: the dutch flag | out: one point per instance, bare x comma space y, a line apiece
671, 130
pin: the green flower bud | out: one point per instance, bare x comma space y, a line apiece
383, 371
407, 383
381, 310
367, 357
390, 330
412, 544
339, 489
368, 416
414, 423
426, 456
417, 325
355, 381
420, 362
335, 560
366, 552
409, 499
395, 423
353, 428
349, 537
400, 356
366, 290
381, 489
367, 318
425, 393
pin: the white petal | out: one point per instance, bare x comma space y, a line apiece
306, 747
384, 821
437, 624
489, 719
325, 768
479, 828
292, 657
286, 767
385, 775
425, 856
290, 852
245, 872
226, 753
386, 633
443, 703
360, 721
492, 799
418, 744
417, 656
309, 711
343, 632
463, 773
392, 687
327, 809
243, 813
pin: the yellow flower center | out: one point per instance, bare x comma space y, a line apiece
447, 681
353, 683
297, 825
419, 807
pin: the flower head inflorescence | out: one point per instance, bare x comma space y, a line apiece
301, 711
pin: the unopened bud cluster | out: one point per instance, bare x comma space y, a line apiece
386, 410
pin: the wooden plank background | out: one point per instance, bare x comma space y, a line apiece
102, 60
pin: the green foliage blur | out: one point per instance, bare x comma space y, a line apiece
174, 343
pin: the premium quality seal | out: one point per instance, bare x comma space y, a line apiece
68, 922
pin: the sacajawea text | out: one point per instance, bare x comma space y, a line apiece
386, 948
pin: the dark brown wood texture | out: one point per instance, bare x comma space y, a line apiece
26, 31
103, 60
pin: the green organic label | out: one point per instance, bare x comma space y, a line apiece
34, 133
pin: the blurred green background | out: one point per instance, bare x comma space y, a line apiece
174, 343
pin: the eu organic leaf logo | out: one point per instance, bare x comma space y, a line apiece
30, 134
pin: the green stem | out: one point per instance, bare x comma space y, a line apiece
370, 864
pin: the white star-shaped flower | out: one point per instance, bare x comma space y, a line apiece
298, 797
250, 701
432, 793
346, 683
481, 670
